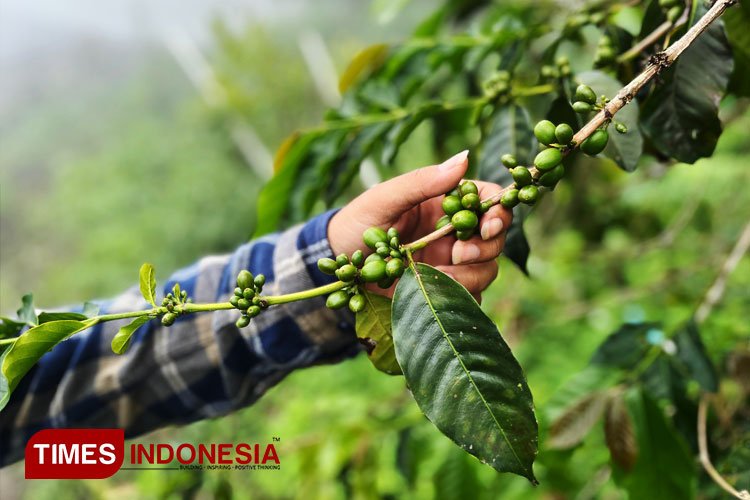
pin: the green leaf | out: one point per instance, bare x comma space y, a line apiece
90, 309
46, 317
736, 20
10, 328
457, 477
148, 283
691, 353
577, 421
681, 114
625, 347
511, 133
27, 350
664, 468
373, 328
274, 198
623, 149
461, 373
593, 378
366, 61
403, 129
122, 339
26, 313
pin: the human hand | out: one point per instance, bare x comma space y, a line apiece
412, 204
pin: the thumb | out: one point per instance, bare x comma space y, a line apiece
409, 190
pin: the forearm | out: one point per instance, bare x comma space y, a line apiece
200, 367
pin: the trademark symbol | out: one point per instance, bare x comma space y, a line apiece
276, 439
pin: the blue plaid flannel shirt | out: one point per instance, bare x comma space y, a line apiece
202, 366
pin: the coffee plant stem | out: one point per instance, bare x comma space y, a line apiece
705, 459
305, 294
658, 63
652, 37
7, 341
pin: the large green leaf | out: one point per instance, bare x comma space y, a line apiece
623, 149
46, 317
9, 327
461, 373
664, 468
737, 21
122, 339
374, 329
681, 114
147, 283
27, 350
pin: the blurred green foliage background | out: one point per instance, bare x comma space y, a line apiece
135, 166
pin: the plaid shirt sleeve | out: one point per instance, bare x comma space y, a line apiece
200, 367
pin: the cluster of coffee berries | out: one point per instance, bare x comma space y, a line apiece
173, 302
674, 9
247, 296
498, 83
605, 52
462, 208
561, 68
383, 267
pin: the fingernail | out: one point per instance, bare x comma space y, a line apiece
454, 160
465, 252
491, 228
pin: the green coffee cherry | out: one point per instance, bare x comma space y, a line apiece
395, 243
581, 107
465, 234
248, 293
237, 292
550, 178
347, 273
605, 54
373, 257
549, 71
243, 304
465, 219
373, 235
471, 201
386, 282
396, 254
383, 251
509, 198
337, 299
327, 266
545, 132
564, 133
509, 160
260, 280
373, 271
357, 303
358, 258
394, 268
243, 322
256, 300
442, 221
585, 93
597, 17
548, 159
528, 194
468, 187
451, 204
253, 311
342, 260
168, 319
245, 279
522, 176
674, 13
621, 128
596, 143
380, 244
234, 301
392, 233
486, 205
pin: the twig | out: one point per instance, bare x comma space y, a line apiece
717, 289
659, 62
652, 37
706, 459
